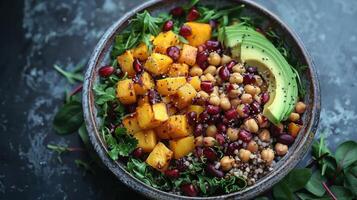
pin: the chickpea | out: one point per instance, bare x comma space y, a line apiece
203, 78
236, 78
226, 163
215, 91
251, 125
209, 141
238, 68
257, 90
199, 141
210, 70
218, 68
211, 78
232, 134
262, 121
246, 98
240, 110
252, 146
244, 155
211, 130
196, 71
225, 103
300, 107
281, 149
235, 102
264, 135
253, 90
214, 59
267, 155
294, 117
203, 95
257, 98
215, 100
225, 59
218, 80
234, 93
258, 80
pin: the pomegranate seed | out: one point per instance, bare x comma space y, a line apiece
180, 165
198, 130
252, 70
245, 135
189, 190
154, 96
286, 139
264, 98
275, 131
213, 24
106, 71
231, 64
231, 114
213, 171
212, 110
224, 73
193, 14
226, 121
204, 116
202, 57
138, 67
173, 173
207, 86
255, 107
191, 117
177, 12
185, 31
213, 45
173, 52
210, 154
248, 79
220, 139
231, 148
168, 25
138, 152
222, 128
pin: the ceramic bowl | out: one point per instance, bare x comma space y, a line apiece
296, 152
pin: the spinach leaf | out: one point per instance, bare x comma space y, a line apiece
69, 118
341, 193
281, 191
346, 154
351, 179
315, 184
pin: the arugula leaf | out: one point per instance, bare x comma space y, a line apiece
69, 118
315, 184
346, 154
72, 77
121, 145
217, 14
103, 94
191, 4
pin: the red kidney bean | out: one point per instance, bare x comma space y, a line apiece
185, 31
193, 14
199, 130
191, 117
275, 131
286, 139
212, 110
264, 98
221, 128
231, 64
224, 73
177, 12
212, 45
207, 86
252, 70
213, 119
189, 190
138, 152
299, 121
244, 135
172, 173
168, 25
213, 171
229, 87
138, 67
173, 52
248, 79
255, 107
220, 139
226, 121
106, 71
246, 110
231, 148
231, 114
204, 116
202, 58
210, 154
180, 165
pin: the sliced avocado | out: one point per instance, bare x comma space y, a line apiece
254, 49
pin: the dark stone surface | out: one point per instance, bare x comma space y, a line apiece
35, 35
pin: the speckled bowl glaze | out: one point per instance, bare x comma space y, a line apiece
296, 152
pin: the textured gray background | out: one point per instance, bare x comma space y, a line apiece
37, 34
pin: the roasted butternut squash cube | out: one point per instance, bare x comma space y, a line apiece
178, 69
293, 129
160, 112
146, 140
141, 52
145, 116
130, 122
126, 61
143, 99
185, 95
165, 40
188, 55
162, 131
178, 126
171, 109
200, 33
195, 82
160, 157
169, 86
196, 108
158, 64
144, 84
125, 91
182, 147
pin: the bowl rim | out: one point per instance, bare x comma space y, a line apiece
90, 119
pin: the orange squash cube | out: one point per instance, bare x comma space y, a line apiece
130, 122
145, 116
165, 40
200, 33
126, 61
185, 95
169, 86
125, 91
293, 129
195, 82
158, 64
182, 147
145, 83
146, 140
160, 157
188, 55
141, 52
178, 69
160, 112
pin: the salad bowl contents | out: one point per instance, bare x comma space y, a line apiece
198, 101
